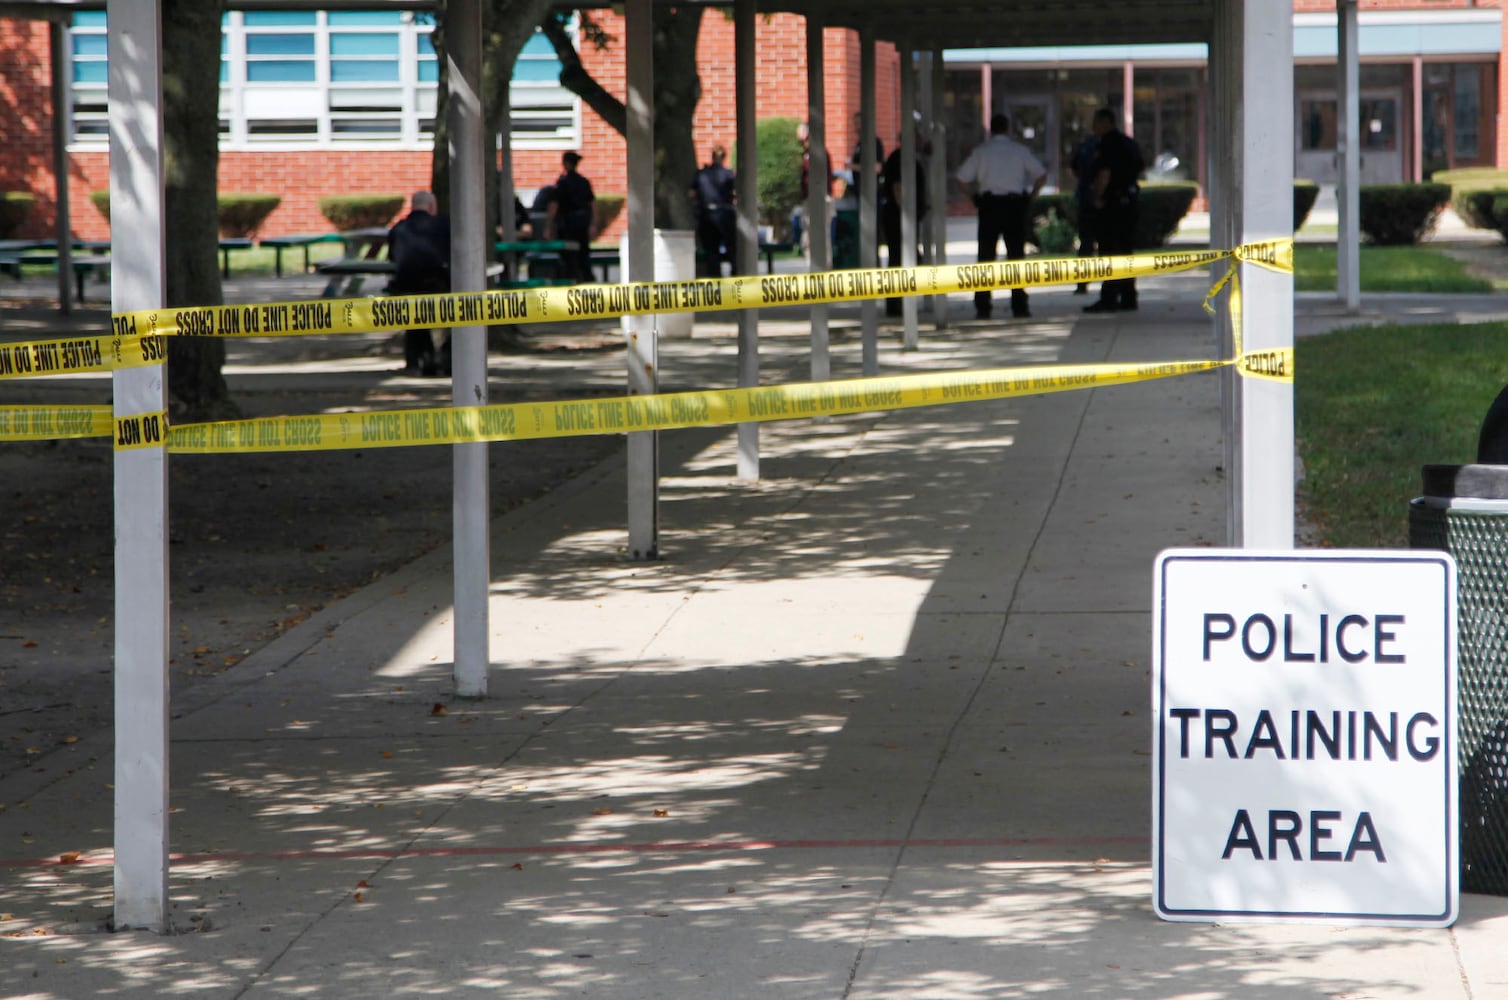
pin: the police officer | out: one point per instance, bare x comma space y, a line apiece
713, 191
1118, 165
1002, 176
571, 213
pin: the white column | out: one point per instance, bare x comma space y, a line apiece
868, 200
746, 170
909, 338
937, 180
468, 273
1348, 150
816, 201
138, 281
643, 347
1263, 199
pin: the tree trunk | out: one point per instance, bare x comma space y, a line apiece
677, 90
191, 152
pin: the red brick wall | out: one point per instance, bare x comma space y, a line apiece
26, 120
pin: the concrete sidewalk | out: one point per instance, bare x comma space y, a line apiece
876, 726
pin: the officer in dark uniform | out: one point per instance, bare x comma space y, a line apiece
419, 247
890, 210
1118, 165
712, 194
571, 217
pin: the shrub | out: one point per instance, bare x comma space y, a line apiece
1160, 208
15, 206
779, 174
1466, 187
1304, 195
1400, 214
101, 202
1055, 222
243, 214
607, 208
360, 211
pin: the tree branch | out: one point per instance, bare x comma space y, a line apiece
575, 78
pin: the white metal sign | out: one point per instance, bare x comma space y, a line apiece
1304, 736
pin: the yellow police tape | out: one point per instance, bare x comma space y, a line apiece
137, 340
49, 423
628, 414
576, 302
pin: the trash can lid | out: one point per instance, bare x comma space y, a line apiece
1486, 482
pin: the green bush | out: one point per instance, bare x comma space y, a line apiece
15, 206
1400, 214
1466, 187
1304, 195
1055, 222
607, 208
360, 211
779, 173
1160, 208
101, 201
243, 214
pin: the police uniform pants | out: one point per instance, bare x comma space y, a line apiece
1003, 217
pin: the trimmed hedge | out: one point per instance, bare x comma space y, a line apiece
360, 211
1160, 208
607, 208
15, 206
1305, 193
237, 214
1466, 187
243, 214
1400, 214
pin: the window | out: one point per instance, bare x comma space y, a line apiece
318, 78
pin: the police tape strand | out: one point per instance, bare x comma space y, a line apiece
136, 336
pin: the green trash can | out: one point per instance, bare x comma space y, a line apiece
1464, 511
846, 236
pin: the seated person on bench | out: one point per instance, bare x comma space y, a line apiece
419, 247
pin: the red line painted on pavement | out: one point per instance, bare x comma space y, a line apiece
650, 847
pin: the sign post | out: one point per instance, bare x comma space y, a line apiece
1304, 736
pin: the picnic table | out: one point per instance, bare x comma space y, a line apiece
227, 244
298, 240
535, 252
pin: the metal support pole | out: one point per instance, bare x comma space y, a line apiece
908, 188
937, 181
138, 281
869, 334
1348, 150
643, 342
817, 179
1263, 200
747, 257
468, 273
57, 40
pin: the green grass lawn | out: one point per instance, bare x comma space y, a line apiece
1385, 269
1374, 404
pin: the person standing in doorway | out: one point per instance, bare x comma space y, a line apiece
571, 213
419, 247
1118, 165
1002, 176
713, 191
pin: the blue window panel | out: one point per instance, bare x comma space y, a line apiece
538, 45
90, 73
351, 71
280, 71
348, 44
279, 18
89, 45
429, 71
280, 45
536, 71
426, 45
89, 19
365, 18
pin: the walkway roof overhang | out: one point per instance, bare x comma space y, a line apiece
951, 24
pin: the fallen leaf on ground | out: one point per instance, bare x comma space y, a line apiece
602, 811
439, 709
68, 858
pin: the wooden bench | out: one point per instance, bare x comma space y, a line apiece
299, 240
